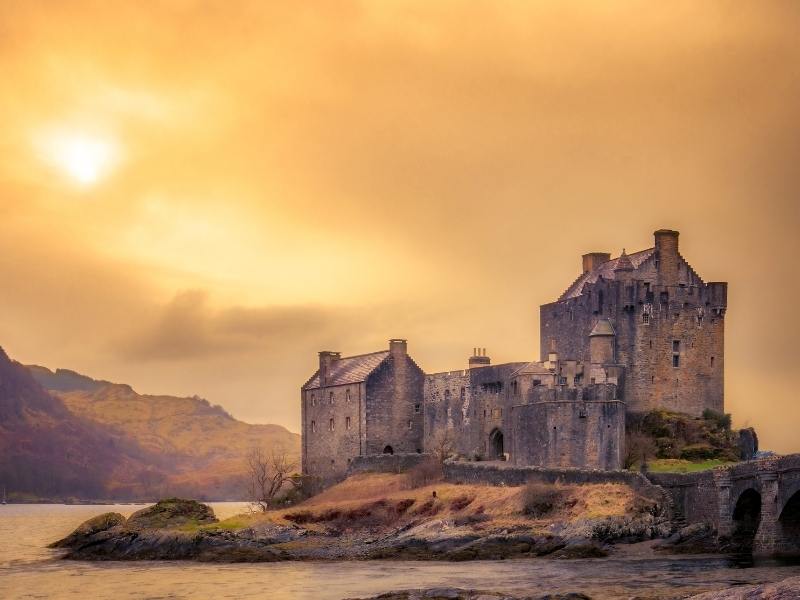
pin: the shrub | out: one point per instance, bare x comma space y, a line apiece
425, 473
539, 499
720, 420
698, 452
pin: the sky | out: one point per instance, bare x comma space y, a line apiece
197, 197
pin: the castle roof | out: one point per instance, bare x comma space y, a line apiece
350, 369
532, 368
602, 327
606, 270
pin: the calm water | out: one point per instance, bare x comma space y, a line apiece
29, 570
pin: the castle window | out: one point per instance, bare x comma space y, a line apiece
537, 382
712, 361
331, 425
652, 378
676, 345
497, 413
447, 394
347, 423
676, 360
592, 380
313, 400
646, 318
313, 426
562, 380
651, 343
463, 393
410, 424
417, 409
347, 395
330, 399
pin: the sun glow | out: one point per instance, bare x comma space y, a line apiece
83, 158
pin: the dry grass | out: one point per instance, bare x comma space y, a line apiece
380, 499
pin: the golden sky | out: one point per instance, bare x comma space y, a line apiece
196, 197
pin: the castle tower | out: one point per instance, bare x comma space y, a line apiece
668, 325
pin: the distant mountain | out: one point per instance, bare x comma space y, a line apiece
63, 434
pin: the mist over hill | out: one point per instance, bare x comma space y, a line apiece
66, 435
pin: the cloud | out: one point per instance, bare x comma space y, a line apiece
187, 327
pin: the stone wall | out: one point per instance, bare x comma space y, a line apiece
509, 475
333, 431
663, 301
393, 415
385, 463
568, 433
694, 495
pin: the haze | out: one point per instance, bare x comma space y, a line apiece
258, 181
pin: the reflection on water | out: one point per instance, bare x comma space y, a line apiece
29, 570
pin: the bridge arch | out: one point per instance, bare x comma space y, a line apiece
746, 518
789, 525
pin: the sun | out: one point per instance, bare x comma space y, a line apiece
84, 158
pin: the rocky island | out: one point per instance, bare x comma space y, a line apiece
381, 515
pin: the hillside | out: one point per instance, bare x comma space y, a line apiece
63, 434
46, 451
202, 446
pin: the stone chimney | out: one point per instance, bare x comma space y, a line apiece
594, 259
479, 358
326, 360
666, 244
398, 348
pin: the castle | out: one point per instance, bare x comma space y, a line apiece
630, 334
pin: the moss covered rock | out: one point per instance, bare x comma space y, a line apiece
171, 513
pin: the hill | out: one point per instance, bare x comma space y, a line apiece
65, 435
200, 445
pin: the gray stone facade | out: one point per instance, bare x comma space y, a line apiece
634, 333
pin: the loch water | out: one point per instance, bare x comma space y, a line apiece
28, 569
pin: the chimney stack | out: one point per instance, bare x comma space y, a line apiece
666, 243
398, 347
479, 358
326, 359
594, 259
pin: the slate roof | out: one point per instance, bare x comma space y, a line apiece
606, 271
532, 368
603, 327
350, 369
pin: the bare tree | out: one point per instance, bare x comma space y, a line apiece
639, 447
268, 474
443, 444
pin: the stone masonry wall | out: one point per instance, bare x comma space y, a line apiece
332, 429
393, 415
649, 314
575, 434
385, 463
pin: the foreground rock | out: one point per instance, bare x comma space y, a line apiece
454, 526
788, 589
460, 594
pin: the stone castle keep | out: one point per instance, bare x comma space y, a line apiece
630, 334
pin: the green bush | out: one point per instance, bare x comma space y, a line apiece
720, 420
699, 452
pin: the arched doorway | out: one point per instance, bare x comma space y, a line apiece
746, 517
496, 445
388, 450
789, 521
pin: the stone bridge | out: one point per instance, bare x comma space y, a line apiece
753, 505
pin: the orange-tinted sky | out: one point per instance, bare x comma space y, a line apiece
266, 180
